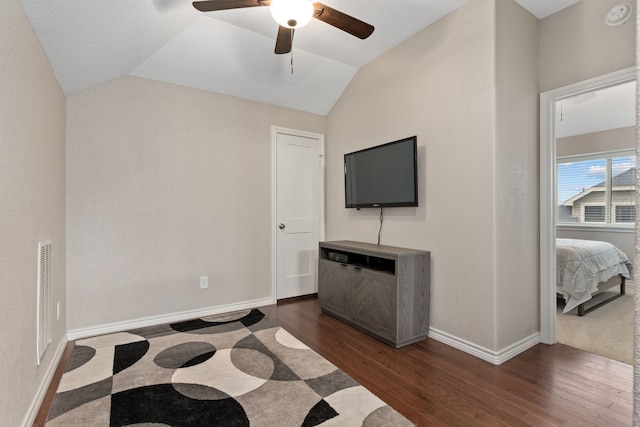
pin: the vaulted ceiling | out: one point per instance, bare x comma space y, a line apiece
89, 42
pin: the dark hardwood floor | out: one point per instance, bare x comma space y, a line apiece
41, 417
433, 384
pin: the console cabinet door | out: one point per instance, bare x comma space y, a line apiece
373, 302
333, 288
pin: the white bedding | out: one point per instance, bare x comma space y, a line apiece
581, 264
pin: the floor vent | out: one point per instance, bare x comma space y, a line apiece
44, 323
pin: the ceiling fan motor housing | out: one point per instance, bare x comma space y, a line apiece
292, 13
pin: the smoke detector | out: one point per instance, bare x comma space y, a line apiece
618, 14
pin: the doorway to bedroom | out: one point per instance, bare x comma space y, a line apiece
588, 140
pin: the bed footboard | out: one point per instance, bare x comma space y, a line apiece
582, 310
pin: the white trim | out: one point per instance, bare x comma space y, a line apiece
321, 227
547, 191
588, 191
624, 188
164, 318
494, 357
274, 216
616, 227
41, 391
583, 194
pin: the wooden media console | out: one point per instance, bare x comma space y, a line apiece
382, 290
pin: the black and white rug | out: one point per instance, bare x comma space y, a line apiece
238, 369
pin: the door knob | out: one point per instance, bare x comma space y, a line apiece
281, 226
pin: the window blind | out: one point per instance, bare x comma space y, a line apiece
596, 189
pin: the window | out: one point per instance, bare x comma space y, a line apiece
625, 214
596, 189
594, 214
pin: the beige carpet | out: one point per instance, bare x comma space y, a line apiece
607, 331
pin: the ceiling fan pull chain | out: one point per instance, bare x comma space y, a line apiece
292, 31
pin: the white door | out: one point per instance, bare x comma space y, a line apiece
298, 170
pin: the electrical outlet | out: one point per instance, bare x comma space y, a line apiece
58, 311
204, 282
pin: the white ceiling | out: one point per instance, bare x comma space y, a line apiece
603, 109
89, 42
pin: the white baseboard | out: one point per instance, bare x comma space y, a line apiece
44, 386
123, 326
494, 357
164, 318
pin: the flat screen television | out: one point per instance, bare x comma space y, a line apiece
382, 176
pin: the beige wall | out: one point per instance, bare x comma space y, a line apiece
597, 142
440, 86
166, 184
516, 175
31, 209
576, 44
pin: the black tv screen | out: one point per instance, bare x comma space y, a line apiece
382, 176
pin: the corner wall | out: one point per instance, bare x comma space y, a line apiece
471, 98
517, 176
32, 134
440, 86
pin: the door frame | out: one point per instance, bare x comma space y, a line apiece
275, 130
548, 190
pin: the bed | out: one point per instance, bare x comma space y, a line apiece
587, 267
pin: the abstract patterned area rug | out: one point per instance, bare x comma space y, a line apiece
237, 369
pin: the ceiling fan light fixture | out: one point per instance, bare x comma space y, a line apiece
291, 13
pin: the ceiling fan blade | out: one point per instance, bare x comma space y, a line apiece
213, 5
284, 41
342, 21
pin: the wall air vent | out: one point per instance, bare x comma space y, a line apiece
44, 322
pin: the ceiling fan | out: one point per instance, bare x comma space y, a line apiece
291, 15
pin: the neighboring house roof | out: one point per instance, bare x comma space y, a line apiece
623, 181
